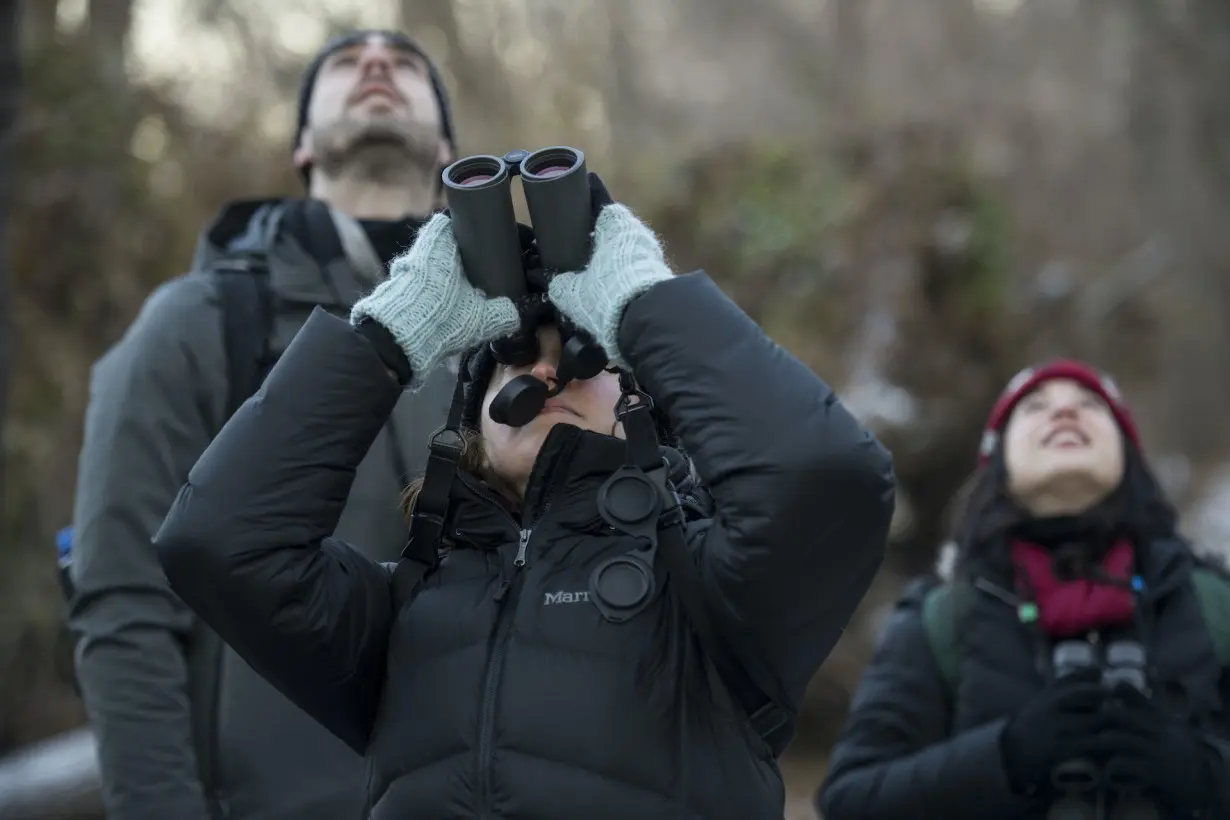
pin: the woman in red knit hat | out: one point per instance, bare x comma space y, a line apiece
1072, 662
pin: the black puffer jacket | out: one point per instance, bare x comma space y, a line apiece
501, 692
914, 750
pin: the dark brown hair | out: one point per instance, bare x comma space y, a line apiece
986, 512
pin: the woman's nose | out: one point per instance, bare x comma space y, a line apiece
544, 371
1065, 409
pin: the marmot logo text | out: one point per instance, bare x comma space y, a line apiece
565, 598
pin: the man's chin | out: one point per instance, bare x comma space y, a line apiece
381, 139
378, 105
379, 148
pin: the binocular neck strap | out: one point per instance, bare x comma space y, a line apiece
422, 550
642, 438
749, 685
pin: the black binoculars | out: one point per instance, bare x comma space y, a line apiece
557, 195
1081, 782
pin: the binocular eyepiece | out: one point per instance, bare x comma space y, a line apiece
1125, 663
556, 188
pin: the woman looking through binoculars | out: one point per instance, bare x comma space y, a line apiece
1074, 665
547, 665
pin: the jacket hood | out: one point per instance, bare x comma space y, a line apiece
243, 225
305, 266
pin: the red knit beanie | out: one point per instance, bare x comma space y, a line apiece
1025, 382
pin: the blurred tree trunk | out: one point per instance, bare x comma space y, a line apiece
10, 84
38, 23
849, 63
1209, 20
623, 92
1179, 125
481, 86
110, 22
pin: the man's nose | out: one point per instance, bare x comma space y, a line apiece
376, 60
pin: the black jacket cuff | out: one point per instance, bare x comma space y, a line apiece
387, 348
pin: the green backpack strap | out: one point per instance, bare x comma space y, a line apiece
1213, 593
939, 619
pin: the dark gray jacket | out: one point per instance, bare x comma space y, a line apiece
501, 691
157, 399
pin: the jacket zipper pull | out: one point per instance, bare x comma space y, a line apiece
501, 590
518, 562
524, 543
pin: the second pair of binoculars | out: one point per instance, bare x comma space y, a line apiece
1087, 793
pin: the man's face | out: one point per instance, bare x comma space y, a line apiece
373, 100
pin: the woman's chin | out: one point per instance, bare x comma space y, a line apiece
532, 435
550, 417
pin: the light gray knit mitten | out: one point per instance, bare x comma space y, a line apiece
627, 261
429, 306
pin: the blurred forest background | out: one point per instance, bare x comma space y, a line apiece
915, 196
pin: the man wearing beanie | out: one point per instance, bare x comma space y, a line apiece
186, 730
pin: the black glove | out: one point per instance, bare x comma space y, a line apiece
1146, 743
599, 196
1053, 727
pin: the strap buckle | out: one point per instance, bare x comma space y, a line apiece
447, 442
770, 719
625, 405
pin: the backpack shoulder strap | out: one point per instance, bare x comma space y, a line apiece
1213, 593
356, 246
939, 614
247, 323
939, 620
246, 295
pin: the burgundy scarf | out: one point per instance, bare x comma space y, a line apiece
1068, 609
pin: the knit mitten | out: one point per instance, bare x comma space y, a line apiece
627, 261
428, 305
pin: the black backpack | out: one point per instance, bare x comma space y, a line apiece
243, 287
247, 299
249, 308
248, 303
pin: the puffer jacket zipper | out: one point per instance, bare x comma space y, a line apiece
506, 600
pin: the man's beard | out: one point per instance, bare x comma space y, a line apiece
386, 150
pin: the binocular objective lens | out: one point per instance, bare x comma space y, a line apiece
474, 179
550, 163
474, 172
